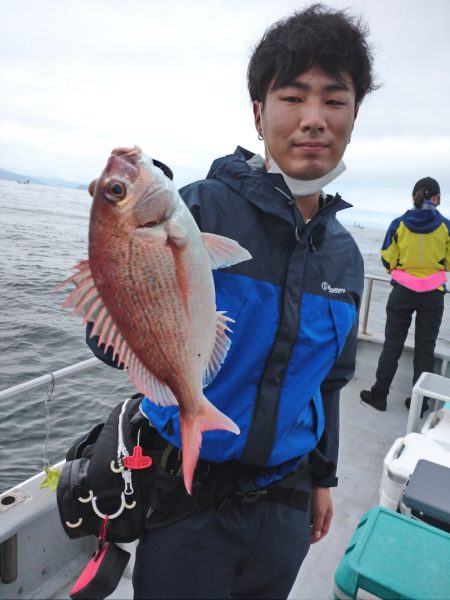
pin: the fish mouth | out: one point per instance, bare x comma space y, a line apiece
123, 165
131, 155
135, 156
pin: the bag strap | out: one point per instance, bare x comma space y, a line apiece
283, 491
174, 468
315, 457
280, 491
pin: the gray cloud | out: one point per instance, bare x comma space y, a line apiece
79, 78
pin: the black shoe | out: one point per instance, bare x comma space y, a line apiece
377, 402
425, 405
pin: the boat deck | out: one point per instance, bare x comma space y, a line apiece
366, 436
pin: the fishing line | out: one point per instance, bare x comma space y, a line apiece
49, 390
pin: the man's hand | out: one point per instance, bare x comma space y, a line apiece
321, 513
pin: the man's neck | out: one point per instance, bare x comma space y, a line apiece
308, 205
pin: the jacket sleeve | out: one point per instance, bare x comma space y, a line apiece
324, 474
447, 247
390, 251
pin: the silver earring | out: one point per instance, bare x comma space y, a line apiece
349, 140
260, 137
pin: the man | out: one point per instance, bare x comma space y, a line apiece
261, 497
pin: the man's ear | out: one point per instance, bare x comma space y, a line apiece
257, 115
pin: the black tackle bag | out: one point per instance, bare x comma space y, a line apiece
109, 475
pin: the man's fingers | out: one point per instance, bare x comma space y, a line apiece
317, 531
321, 513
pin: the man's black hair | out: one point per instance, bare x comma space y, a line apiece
330, 39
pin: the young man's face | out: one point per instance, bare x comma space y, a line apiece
307, 124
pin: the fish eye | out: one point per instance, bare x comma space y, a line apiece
115, 191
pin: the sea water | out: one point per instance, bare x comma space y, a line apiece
43, 234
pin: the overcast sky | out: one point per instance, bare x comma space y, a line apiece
80, 77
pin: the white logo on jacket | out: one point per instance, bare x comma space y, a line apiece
332, 290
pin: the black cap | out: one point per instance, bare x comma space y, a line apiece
427, 184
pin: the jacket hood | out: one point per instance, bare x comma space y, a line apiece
267, 190
422, 220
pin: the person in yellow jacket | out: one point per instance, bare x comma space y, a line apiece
416, 252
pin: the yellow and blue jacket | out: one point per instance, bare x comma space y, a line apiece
418, 242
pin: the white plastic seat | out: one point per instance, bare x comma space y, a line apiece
437, 427
429, 385
400, 462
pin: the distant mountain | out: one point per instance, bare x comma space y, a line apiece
18, 177
54, 181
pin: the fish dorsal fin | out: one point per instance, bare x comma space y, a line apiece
148, 384
224, 252
87, 302
220, 349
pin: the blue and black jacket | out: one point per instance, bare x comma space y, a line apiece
295, 307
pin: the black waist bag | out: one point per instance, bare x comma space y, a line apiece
109, 476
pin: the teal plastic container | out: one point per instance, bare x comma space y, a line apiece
393, 556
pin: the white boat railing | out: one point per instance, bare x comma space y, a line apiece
368, 289
90, 363
79, 367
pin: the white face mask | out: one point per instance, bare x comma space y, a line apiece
302, 187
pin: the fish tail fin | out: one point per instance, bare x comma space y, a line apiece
192, 428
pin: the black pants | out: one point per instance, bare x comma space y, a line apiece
402, 303
244, 551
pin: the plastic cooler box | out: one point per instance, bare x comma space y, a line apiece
427, 495
437, 427
400, 462
393, 556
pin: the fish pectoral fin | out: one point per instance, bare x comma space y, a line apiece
156, 391
220, 349
224, 252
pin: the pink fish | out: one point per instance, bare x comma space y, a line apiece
148, 288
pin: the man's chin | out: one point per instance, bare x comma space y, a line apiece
308, 174
308, 170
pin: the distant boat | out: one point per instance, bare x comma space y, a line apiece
355, 224
24, 181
